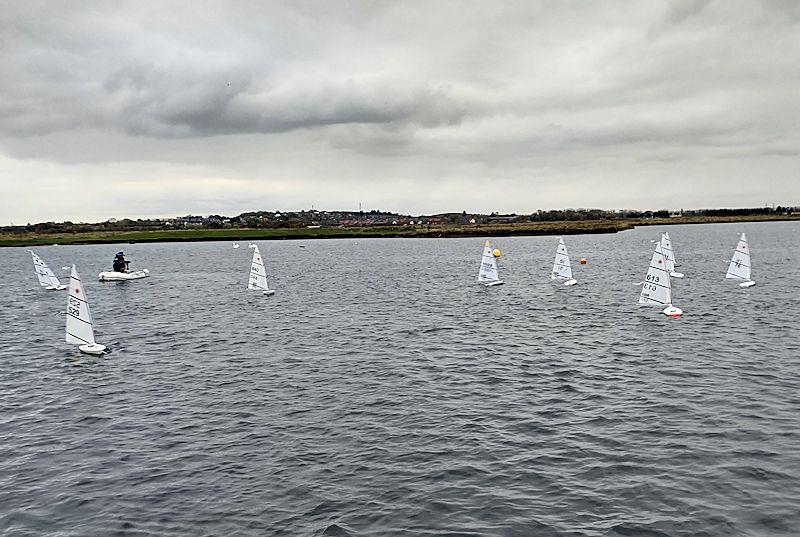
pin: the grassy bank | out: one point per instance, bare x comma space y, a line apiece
526, 228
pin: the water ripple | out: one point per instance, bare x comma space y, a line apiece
381, 392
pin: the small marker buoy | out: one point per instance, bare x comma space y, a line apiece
496, 252
583, 261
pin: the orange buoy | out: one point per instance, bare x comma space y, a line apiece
583, 261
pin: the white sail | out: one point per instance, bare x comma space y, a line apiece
258, 273
46, 276
657, 289
672, 252
79, 318
666, 249
488, 271
740, 263
561, 266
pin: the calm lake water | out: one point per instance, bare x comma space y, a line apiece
381, 391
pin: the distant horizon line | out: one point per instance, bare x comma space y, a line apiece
773, 206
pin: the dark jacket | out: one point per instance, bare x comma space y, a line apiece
119, 264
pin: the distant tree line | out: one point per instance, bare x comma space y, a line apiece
572, 214
746, 212
299, 219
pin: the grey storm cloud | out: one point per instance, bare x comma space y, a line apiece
416, 106
58, 78
211, 106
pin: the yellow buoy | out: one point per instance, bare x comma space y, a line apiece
583, 261
496, 252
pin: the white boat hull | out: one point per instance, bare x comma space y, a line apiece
571, 281
672, 311
749, 283
492, 283
112, 276
56, 287
269, 292
95, 349
676, 274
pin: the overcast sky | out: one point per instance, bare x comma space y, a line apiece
139, 109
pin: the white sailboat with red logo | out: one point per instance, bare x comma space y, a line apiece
80, 328
657, 287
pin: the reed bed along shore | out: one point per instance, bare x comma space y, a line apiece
446, 230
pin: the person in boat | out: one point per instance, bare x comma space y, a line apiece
120, 265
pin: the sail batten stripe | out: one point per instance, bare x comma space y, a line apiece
77, 337
81, 320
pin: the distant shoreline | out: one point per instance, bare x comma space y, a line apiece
578, 227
